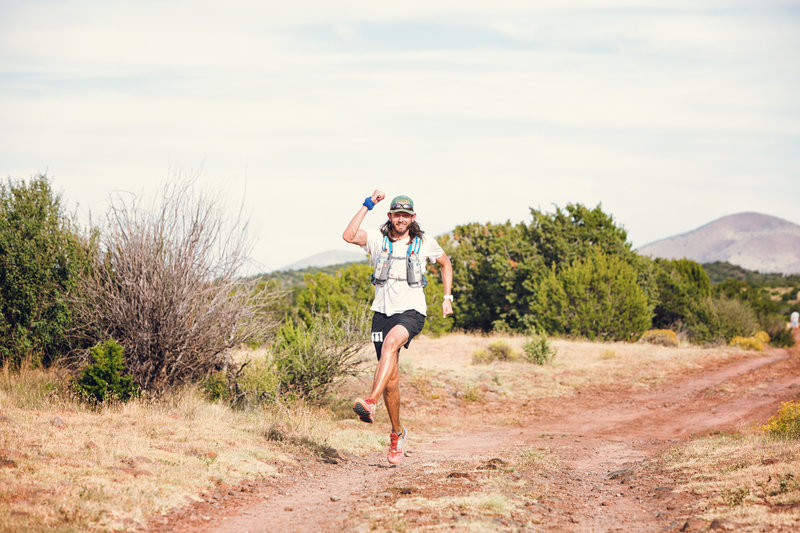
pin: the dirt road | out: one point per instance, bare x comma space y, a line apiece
587, 464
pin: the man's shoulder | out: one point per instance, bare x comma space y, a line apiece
427, 239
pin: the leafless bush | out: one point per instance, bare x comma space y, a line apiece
165, 285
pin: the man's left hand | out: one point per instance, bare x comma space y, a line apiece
447, 308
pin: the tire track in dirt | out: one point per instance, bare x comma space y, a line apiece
605, 479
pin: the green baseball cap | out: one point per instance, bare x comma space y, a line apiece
402, 204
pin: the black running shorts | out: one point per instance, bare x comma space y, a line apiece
412, 320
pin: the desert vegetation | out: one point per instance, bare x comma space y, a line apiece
143, 325
161, 278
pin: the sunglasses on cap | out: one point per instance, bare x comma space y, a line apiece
402, 206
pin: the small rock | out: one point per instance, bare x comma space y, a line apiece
769, 461
538, 506
693, 524
384, 495
330, 460
288, 509
56, 421
335, 498
135, 461
90, 445
493, 464
621, 473
7, 463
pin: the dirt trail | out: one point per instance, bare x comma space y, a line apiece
604, 478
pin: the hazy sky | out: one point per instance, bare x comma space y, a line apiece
669, 113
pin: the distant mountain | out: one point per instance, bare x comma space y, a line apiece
751, 240
331, 257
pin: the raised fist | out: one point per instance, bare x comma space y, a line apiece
377, 196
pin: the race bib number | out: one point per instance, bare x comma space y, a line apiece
377, 336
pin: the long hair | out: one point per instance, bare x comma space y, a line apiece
414, 230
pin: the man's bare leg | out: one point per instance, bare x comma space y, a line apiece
387, 375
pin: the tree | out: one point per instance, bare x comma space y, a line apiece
493, 265
499, 270
682, 290
595, 297
42, 258
562, 237
346, 291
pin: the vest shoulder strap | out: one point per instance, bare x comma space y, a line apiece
413, 247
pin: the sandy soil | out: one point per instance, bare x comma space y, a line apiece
604, 476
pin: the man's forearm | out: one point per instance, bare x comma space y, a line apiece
447, 276
351, 231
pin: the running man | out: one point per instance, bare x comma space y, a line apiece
399, 250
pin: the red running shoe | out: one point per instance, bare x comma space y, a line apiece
365, 409
398, 444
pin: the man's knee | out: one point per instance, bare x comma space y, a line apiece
391, 349
396, 338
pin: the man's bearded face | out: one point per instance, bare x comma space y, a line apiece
400, 222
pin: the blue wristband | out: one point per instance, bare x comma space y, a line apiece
368, 203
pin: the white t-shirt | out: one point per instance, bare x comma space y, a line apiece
395, 296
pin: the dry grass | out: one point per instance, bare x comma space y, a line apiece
67, 467
445, 363
748, 478
78, 468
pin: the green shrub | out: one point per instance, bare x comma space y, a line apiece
786, 423
41, 260
345, 291
731, 318
597, 296
498, 350
250, 384
783, 338
780, 334
215, 387
480, 357
104, 378
661, 337
682, 286
309, 358
537, 349
435, 324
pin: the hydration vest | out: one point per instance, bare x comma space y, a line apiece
415, 273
